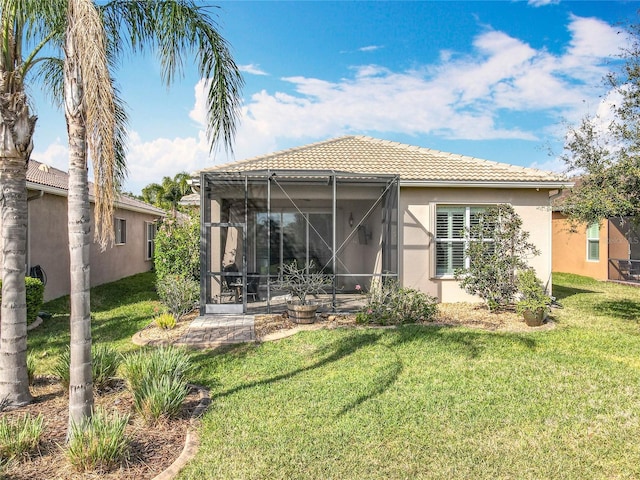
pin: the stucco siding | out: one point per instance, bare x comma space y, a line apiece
570, 249
48, 246
417, 209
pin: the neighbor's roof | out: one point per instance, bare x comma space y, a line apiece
415, 165
41, 176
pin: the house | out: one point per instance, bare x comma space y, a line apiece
47, 238
609, 250
363, 210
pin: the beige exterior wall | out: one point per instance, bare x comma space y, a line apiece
417, 211
570, 249
48, 246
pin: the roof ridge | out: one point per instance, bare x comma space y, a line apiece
267, 156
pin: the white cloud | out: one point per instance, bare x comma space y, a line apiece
370, 48
55, 155
252, 69
149, 161
199, 111
542, 3
463, 96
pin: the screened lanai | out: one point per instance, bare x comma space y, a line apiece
342, 225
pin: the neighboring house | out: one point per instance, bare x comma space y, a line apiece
362, 209
609, 250
47, 240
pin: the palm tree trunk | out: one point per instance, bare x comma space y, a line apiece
16, 133
79, 224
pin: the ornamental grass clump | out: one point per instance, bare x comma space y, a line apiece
104, 366
390, 304
20, 437
165, 321
157, 380
99, 443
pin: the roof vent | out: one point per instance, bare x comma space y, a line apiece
44, 168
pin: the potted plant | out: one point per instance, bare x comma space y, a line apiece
534, 302
300, 283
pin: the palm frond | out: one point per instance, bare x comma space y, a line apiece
176, 29
86, 45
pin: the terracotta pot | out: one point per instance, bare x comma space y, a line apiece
302, 313
534, 319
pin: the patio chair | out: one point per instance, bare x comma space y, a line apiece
253, 284
230, 282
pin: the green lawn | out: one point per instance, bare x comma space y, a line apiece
429, 402
118, 310
412, 402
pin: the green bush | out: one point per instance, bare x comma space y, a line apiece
177, 249
497, 248
99, 443
104, 366
165, 321
157, 381
35, 297
532, 293
20, 437
390, 304
179, 294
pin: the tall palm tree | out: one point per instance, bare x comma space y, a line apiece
174, 29
20, 20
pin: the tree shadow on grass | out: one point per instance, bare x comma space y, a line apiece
561, 292
621, 309
469, 343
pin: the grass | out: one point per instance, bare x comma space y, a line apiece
413, 402
434, 402
118, 310
99, 444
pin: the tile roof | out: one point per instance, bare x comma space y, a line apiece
42, 174
366, 155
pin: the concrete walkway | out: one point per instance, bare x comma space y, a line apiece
211, 331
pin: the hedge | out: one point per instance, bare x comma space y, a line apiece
35, 297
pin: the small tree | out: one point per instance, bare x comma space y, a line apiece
497, 248
177, 249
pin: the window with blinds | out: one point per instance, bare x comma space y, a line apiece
451, 224
593, 242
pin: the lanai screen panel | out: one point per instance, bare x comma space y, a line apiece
339, 224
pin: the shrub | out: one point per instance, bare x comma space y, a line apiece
179, 294
98, 443
35, 297
532, 293
20, 437
157, 380
104, 365
390, 304
165, 321
497, 248
160, 397
177, 249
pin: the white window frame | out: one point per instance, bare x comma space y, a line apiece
120, 232
149, 244
452, 239
593, 240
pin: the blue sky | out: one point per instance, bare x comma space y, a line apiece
496, 80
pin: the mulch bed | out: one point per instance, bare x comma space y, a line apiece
152, 448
